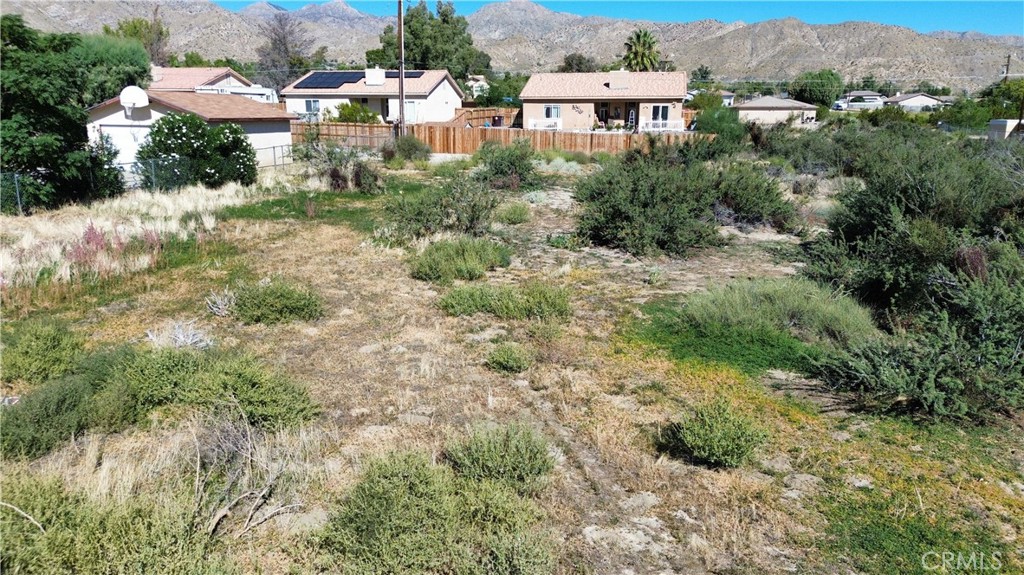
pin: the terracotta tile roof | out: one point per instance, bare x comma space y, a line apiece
595, 86
189, 78
421, 86
773, 103
213, 107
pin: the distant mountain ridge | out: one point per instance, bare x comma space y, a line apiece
523, 36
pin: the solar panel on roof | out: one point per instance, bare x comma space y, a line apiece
333, 80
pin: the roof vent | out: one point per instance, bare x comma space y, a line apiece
374, 77
618, 80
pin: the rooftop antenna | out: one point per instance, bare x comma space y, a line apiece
133, 97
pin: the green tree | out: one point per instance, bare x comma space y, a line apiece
440, 42
1013, 93
353, 112
577, 62
110, 64
706, 100
153, 35
821, 87
702, 75
504, 91
42, 121
931, 89
642, 52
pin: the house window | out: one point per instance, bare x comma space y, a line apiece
659, 113
364, 101
602, 112
552, 111
312, 106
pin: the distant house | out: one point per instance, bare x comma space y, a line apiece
267, 126
728, 98
771, 110
209, 81
477, 85
648, 101
430, 95
859, 100
914, 102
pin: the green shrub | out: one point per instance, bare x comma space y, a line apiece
408, 516
513, 214
753, 197
514, 455
797, 306
344, 169
55, 412
510, 358
90, 538
725, 124
40, 350
462, 205
571, 242
465, 259
532, 300
508, 167
411, 149
351, 112
650, 201
276, 301
182, 149
714, 433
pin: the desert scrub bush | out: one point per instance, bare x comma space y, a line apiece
649, 201
508, 167
465, 258
54, 412
36, 351
406, 515
79, 535
532, 300
714, 433
410, 149
571, 242
751, 197
344, 169
275, 301
513, 213
515, 455
812, 313
510, 358
461, 205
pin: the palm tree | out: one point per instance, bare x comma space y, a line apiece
641, 51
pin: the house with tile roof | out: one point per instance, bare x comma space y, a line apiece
430, 95
208, 81
647, 101
771, 110
267, 126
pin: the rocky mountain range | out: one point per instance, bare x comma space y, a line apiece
523, 36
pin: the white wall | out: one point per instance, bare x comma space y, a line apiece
265, 136
917, 102
775, 116
297, 104
441, 104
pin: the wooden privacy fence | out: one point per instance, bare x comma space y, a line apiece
476, 117
458, 140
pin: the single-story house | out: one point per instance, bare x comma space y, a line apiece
267, 126
430, 95
772, 110
914, 102
208, 81
477, 85
728, 98
648, 101
859, 100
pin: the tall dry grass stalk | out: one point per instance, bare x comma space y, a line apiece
59, 244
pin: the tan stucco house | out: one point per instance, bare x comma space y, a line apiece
772, 110
649, 101
430, 95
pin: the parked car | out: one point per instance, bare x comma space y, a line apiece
839, 105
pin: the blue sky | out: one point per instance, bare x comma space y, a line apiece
988, 16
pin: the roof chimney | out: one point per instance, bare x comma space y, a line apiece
374, 76
618, 80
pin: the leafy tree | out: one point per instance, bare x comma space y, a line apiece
642, 51
153, 35
1013, 92
963, 114
352, 112
577, 62
110, 63
43, 122
821, 87
706, 100
702, 75
440, 42
504, 91
931, 89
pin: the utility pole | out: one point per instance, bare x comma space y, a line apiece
1006, 71
401, 70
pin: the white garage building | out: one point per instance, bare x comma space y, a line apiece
268, 127
771, 110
